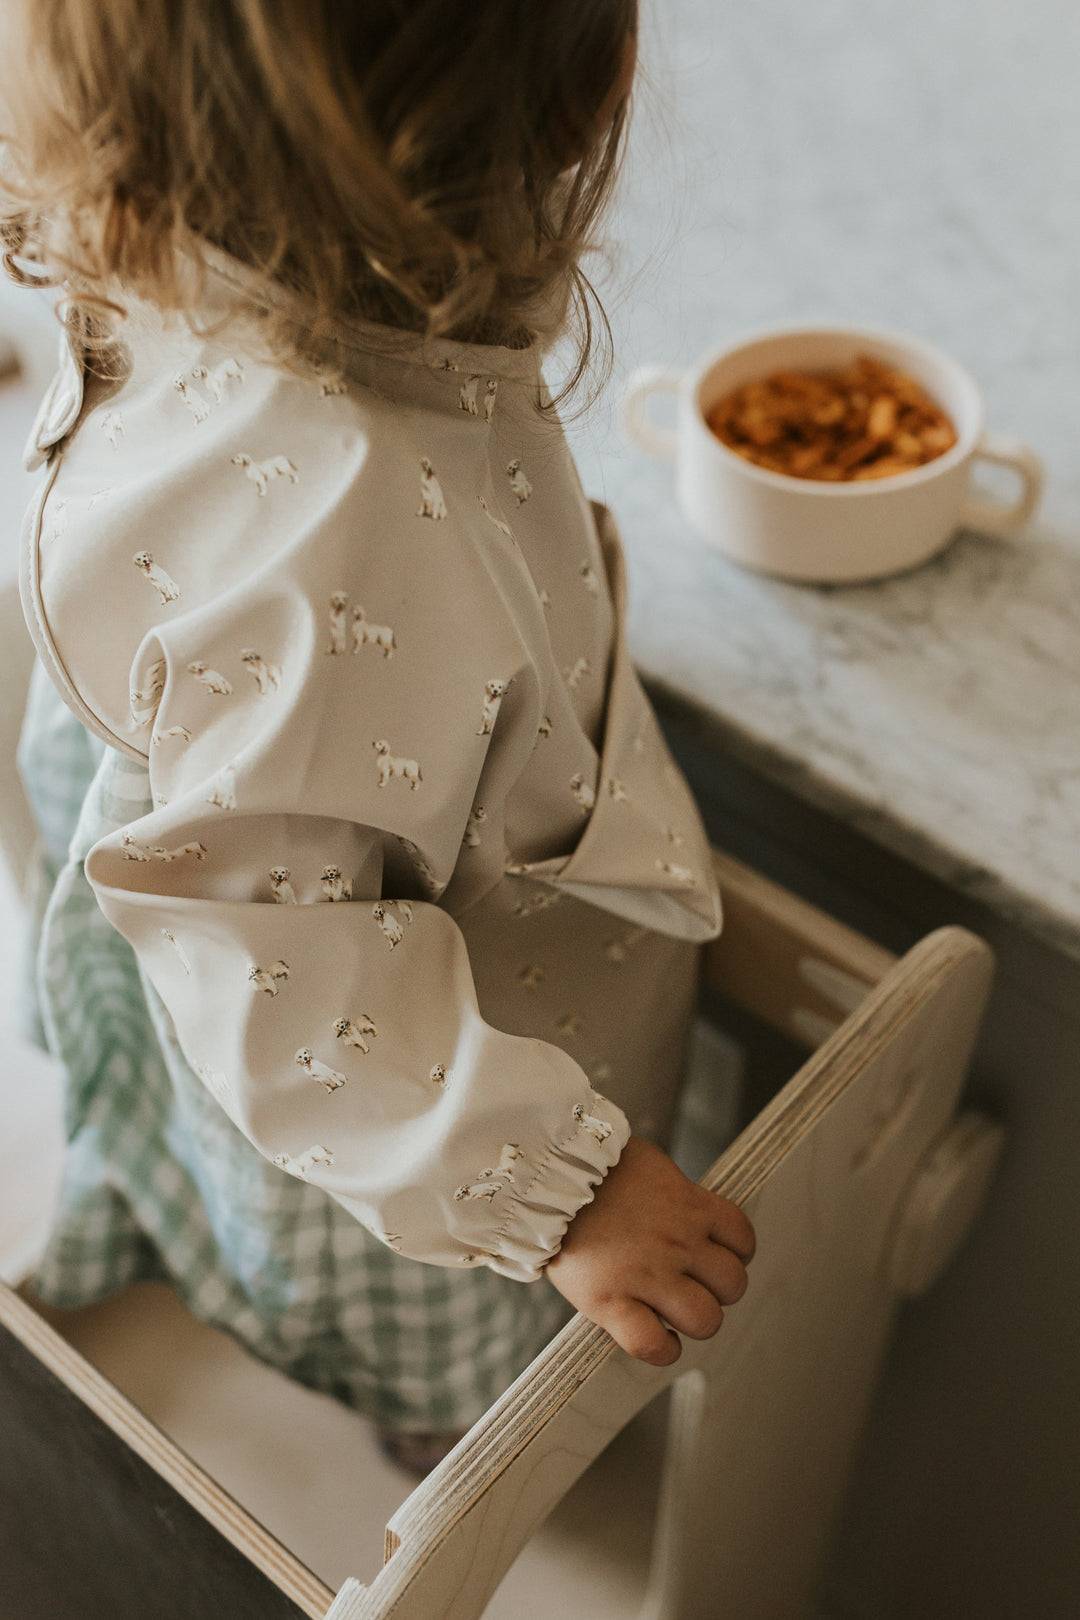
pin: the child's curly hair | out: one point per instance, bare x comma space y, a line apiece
436, 165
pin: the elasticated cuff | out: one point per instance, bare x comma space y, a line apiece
564, 1182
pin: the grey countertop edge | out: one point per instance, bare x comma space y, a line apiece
882, 827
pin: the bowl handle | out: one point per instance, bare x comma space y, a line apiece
634, 409
995, 517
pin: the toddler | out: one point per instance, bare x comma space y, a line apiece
378, 900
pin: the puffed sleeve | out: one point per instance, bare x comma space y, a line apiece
317, 736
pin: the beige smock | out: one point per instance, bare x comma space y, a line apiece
422, 887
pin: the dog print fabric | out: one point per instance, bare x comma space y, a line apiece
393, 750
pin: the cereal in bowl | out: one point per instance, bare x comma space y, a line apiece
865, 421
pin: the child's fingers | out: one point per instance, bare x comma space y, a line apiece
732, 1228
639, 1331
719, 1270
688, 1305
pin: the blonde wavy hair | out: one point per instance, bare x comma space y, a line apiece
433, 165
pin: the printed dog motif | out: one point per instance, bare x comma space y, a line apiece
268, 978
544, 728
476, 819
195, 403
334, 886
160, 853
532, 975
617, 789
327, 1077
583, 793
304, 1162
144, 700
280, 887
504, 1170
154, 680
586, 1122
489, 1182
261, 472
223, 789
168, 590
392, 929
209, 678
681, 874
589, 578
142, 716
133, 850
214, 381
440, 1075
112, 425
214, 1080
479, 1189
518, 482
331, 382
352, 1031
491, 388
339, 602
267, 676
467, 395
544, 598
371, 635
577, 673
570, 1024
544, 898
390, 766
432, 505
167, 933
159, 737
494, 692
617, 950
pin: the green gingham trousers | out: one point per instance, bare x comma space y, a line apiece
158, 1182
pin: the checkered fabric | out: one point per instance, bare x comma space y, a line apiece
159, 1183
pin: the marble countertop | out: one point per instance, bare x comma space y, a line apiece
910, 168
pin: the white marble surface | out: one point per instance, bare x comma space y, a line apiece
909, 167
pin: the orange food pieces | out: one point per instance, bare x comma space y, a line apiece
866, 421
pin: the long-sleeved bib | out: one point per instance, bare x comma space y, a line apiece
415, 829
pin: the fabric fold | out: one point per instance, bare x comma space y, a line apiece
62, 402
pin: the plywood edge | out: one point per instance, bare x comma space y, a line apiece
155, 1448
915, 977
459, 1483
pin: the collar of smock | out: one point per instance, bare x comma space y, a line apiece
228, 276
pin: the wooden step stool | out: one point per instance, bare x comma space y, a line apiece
861, 1182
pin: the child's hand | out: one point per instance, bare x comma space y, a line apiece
653, 1244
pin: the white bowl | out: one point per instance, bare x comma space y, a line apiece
808, 529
